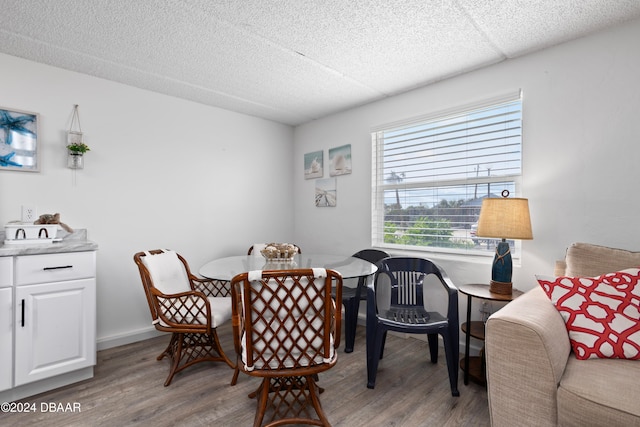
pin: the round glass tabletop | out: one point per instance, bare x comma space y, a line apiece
227, 268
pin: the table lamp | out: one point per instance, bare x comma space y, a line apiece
504, 218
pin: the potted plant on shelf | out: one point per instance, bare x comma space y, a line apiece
76, 153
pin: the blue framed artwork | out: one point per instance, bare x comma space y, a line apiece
18, 140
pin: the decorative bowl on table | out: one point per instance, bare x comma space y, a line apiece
279, 252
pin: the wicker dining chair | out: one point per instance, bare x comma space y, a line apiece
286, 330
188, 307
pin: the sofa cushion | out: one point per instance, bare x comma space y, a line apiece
587, 260
599, 392
602, 314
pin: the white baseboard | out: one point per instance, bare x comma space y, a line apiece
129, 337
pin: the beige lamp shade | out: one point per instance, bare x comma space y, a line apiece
505, 218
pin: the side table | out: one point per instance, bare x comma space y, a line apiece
474, 367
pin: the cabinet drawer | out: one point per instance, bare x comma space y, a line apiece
48, 268
6, 272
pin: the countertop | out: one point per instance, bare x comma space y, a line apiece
71, 242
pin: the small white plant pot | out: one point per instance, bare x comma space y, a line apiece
75, 160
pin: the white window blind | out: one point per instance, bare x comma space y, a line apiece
431, 174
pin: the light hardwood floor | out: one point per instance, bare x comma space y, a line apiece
128, 390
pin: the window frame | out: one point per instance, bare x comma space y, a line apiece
379, 186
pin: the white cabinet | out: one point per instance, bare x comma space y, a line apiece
6, 334
6, 322
55, 329
53, 320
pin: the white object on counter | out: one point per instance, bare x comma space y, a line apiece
34, 234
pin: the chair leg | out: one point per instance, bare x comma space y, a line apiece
175, 351
263, 398
350, 323
186, 349
288, 400
433, 347
452, 354
384, 341
234, 379
375, 343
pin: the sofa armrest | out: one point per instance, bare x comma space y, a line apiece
526, 347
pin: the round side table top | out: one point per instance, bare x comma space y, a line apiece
482, 291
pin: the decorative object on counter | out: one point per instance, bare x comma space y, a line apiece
75, 145
279, 252
18, 140
53, 219
504, 218
21, 233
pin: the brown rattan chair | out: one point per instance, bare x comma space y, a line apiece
257, 247
188, 307
286, 330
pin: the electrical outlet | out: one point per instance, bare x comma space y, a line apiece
29, 214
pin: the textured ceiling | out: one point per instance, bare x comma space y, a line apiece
291, 61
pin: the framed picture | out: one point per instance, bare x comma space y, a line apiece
18, 140
326, 194
313, 166
340, 160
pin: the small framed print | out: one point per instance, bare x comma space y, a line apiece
340, 160
18, 140
326, 193
313, 166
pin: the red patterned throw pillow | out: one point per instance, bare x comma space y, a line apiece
602, 313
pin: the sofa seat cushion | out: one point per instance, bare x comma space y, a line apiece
599, 392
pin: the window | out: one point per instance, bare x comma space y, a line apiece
430, 176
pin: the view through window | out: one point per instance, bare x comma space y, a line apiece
430, 176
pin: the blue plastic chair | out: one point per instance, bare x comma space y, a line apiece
401, 279
351, 297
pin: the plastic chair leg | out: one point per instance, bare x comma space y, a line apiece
433, 347
375, 343
350, 323
452, 354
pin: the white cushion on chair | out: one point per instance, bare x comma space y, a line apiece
167, 272
220, 310
220, 313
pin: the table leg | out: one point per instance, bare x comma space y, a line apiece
467, 342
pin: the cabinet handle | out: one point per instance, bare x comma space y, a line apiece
22, 313
58, 268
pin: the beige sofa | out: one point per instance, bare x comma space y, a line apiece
533, 378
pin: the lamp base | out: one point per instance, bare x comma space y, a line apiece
502, 288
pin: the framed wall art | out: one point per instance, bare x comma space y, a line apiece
340, 160
313, 166
326, 193
18, 140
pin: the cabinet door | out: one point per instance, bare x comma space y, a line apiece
54, 329
6, 337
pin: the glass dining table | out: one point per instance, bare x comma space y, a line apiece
226, 268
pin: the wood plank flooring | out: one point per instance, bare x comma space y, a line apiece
128, 390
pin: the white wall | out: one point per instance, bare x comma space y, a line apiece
581, 151
162, 172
